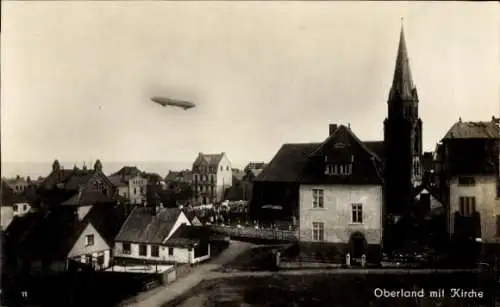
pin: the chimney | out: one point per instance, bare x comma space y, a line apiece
332, 128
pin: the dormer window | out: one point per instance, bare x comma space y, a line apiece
340, 169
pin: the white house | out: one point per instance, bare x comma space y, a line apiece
340, 195
340, 202
130, 184
212, 175
161, 236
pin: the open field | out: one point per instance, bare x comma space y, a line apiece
332, 290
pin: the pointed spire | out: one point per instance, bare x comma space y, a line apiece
402, 83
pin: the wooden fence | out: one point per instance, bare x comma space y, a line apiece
257, 233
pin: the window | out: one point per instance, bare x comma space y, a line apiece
141, 189
318, 231
89, 240
88, 258
126, 248
25, 207
143, 250
467, 181
135, 190
155, 251
357, 213
339, 169
221, 168
170, 251
227, 168
318, 199
467, 205
14, 207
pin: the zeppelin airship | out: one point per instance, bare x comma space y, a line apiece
165, 101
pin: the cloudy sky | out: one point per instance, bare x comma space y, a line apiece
77, 76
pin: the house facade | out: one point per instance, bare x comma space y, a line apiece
212, 175
340, 197
170, 242
54, 240
131, 184
470, 176
91, 248
275, 191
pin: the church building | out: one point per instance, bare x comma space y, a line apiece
403, 149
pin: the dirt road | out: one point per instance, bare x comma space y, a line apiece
165, 294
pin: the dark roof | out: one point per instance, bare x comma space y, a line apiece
295, 162
187, 235
107, 220
473, 130
127, 171
185, 175
88, 198
142, 226
210, 159
28, 195
52, 235
288, 163
377, 147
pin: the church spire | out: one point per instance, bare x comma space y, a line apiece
402, 83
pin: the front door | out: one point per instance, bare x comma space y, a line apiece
358, 247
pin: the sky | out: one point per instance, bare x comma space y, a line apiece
76, 77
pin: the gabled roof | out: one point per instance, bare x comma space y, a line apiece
473, 130
208, 159
52, 235
293, 162
288, 163
345, 136
187, 235
142, 226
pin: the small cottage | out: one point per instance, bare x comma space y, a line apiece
161, 235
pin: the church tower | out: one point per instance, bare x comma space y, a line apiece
402, 138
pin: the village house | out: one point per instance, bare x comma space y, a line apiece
71, 204
131, 184
18, 184
470, 177
52, 241
160, 235
336, 187
212, 175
